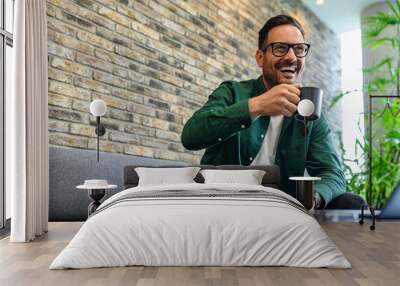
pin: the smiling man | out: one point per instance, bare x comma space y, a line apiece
251, 122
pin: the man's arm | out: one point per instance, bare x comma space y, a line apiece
322, 161
217, 120
221, 117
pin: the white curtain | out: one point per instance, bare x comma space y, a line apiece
26, 127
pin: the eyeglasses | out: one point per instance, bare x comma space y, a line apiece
281, 49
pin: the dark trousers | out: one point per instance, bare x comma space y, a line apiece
346, 201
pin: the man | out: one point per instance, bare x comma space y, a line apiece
251, 122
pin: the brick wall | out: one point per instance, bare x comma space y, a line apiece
156, 62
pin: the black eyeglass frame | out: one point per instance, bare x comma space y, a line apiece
290, 46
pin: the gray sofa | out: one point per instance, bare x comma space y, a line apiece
70, 167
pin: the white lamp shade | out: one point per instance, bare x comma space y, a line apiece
305, 107
98, 107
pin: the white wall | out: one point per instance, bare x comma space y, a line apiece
352, 80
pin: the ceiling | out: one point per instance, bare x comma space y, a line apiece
340, 15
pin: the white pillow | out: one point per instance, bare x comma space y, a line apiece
248, 177
163, 176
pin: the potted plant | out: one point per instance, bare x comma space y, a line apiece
384, 147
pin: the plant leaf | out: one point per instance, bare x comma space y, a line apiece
391, 6
338, 97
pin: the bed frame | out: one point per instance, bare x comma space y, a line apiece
270, 179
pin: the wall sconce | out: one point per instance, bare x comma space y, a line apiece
319, 2
98, 108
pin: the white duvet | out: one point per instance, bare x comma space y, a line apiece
200, 231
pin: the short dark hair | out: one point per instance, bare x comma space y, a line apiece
274, 22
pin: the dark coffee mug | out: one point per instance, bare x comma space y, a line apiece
310, 103
305, 190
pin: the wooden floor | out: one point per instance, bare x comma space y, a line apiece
374, 255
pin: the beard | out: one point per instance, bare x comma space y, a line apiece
270, 79
273, 76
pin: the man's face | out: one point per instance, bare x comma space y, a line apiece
288, 68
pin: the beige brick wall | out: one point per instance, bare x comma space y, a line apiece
156, 62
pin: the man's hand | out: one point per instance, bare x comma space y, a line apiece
279, 100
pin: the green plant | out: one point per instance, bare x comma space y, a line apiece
357, 181
385, 155
385, 159
386, 73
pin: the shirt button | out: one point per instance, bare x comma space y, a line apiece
262, 135
251, 158
243, 126
219, 139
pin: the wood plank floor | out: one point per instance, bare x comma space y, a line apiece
374, 255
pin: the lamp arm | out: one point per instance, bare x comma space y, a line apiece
100, 131
98, 137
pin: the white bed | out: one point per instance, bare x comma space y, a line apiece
185, 230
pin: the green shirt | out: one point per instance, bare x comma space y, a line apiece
224, 127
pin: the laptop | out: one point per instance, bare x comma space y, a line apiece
391, 210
